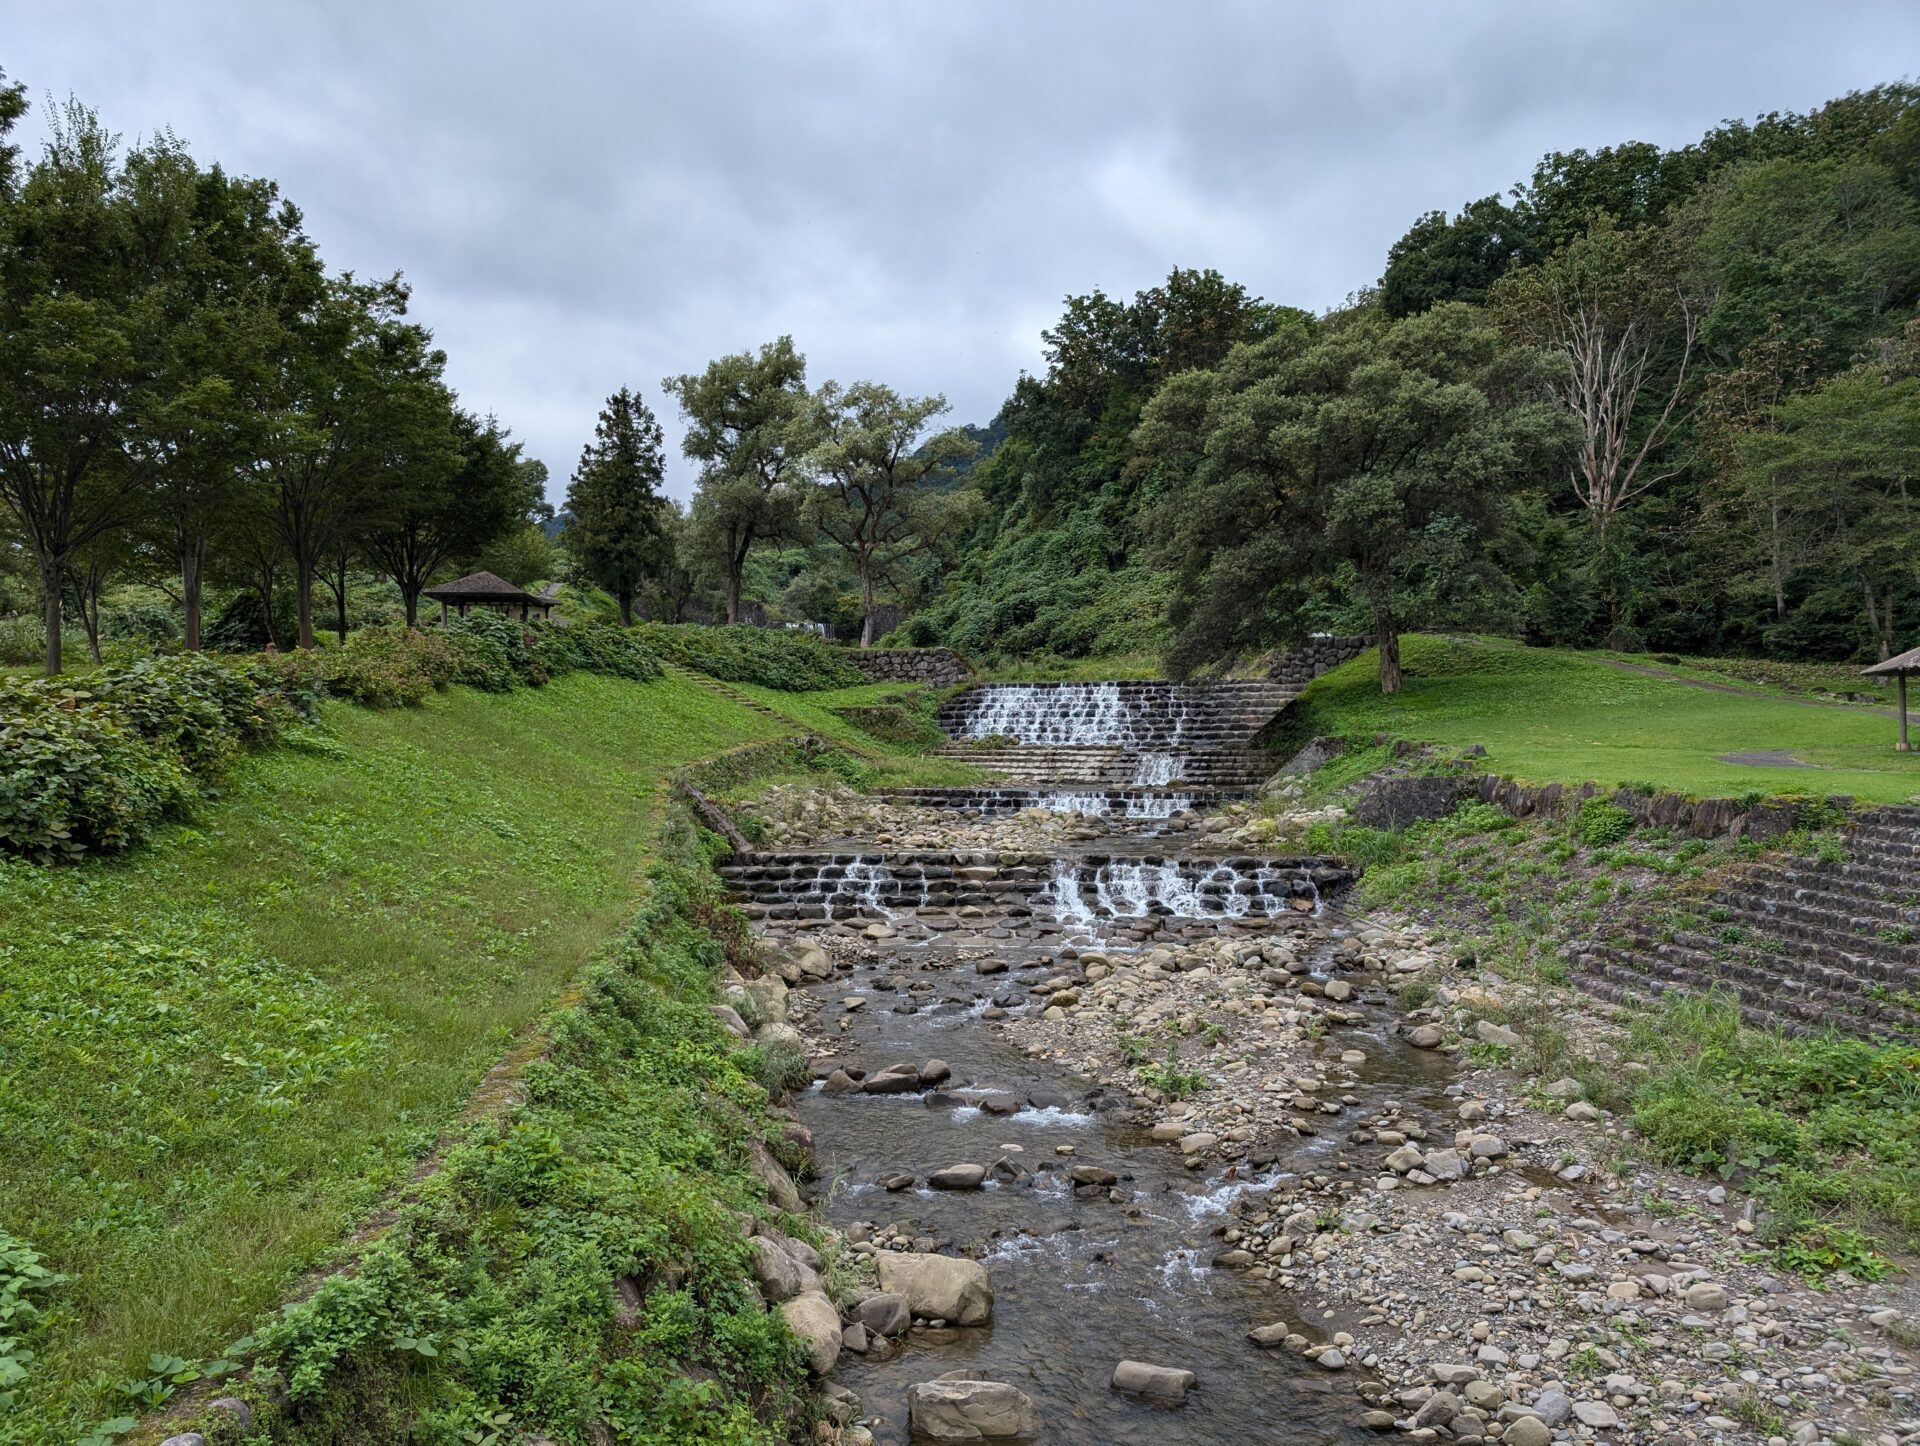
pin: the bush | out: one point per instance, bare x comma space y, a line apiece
601, 648
1601, 823
794, 661
203, 709
385, 667
22, 641
77, 776
139, 619
241, 625
495, 653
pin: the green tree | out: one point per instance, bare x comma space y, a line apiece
1459, 259
748, 425
13, 105
77, 326
452, 485
1842, 465
876, 497
1371, 458
615, 523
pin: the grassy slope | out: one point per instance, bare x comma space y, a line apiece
891, 764
216, 1052
1553, 715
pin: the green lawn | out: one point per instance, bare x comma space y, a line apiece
219, 1051
889, 764
1547, 715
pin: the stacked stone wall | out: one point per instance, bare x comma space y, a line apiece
940, 667
1322, 652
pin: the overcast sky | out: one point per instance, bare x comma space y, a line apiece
586, 196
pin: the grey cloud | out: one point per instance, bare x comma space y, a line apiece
587, 196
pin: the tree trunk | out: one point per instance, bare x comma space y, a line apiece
303, 602
193, 559
733, 594
50, 581
1387, 634
340, 605
626, 608
410, 600
87, 595
866, 605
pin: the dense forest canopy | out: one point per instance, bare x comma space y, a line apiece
1648, 398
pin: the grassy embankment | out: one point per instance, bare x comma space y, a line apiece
1552, 715
1825, 1131
220, 1051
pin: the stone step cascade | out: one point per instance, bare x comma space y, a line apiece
1111, 768
1113, 804
834, 886
1136, 716
1806, 943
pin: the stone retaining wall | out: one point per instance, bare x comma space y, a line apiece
942, 667
1299, 666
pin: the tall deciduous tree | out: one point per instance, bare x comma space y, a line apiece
76, 321
351, 370
873, 497
615, 524
1368, 455
748, 425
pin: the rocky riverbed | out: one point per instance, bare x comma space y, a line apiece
1241, 1182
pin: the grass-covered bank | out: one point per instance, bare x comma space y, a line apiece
217, 1051
1549, 715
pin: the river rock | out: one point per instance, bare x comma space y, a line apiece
1425, 1036
781, 1276
811, 1316
780, 1187
1092, 1175
1156, 1385
938, 1287
1527, 1431
951, 1410
958, 1177
1706, 1296
884, 1314
730, 1020
935, 1071
895, 1079
1597, 1414
1491, 1033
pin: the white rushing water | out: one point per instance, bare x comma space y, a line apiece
1156, 770
1084, 715
1124, 890
1158, 805
866, 886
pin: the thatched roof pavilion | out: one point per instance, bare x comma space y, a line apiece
1900, 669
484, 590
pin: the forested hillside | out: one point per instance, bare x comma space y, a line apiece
1663, 399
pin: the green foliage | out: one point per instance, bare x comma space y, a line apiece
1170, 1078
22, 1279
246, 1034
587, 647
787, 659
386, 667
94, 767
616, 528
495, 1293
1600, 823
496, 654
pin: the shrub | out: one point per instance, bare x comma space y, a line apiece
241, 625
203, 709
1600, 823
388, 667
604, 648
22, 641
139, 619
790, 660
495, 653
77, 776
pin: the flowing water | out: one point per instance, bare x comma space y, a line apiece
1080, 1282
1079, 715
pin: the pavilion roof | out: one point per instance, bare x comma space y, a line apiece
1907, 662
481, 587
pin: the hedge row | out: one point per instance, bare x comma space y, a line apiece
793, 661
93, 765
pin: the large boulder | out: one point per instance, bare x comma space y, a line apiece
782, 1276
811, 1316
780, 1187
953, 1410
938, 1287
884, 1314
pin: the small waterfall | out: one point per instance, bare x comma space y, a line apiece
1069, 715
1087, 805
1123, 889
864, 886
1156, 770
1158, 805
